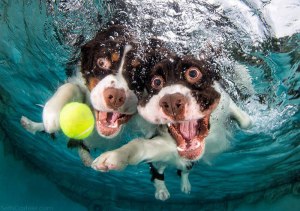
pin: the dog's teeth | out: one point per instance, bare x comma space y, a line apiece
169, 124
113, 126
180, 149
197, 144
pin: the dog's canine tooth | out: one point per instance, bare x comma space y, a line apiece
198, 144
180, 149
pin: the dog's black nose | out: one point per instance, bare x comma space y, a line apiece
114, 98
173, 105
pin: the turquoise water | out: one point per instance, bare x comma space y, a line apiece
37, 41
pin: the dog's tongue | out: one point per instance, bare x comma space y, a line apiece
109, 117
112, 117
188, 129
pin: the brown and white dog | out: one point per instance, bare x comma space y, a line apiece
184, 97
110, 82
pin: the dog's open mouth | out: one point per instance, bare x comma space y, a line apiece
190, 137
110, 123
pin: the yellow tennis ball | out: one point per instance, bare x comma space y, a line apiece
76, 120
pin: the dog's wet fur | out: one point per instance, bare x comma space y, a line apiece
109, 44
183, 96
111, 78
179, 93
110, 65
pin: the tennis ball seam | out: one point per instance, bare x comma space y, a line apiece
75, 117
84, 132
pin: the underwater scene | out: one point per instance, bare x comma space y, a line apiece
253, 162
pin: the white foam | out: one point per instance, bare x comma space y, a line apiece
283, 17
266, 119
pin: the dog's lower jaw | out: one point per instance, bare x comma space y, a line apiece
190, 137
109, 124
192, 155
107, 132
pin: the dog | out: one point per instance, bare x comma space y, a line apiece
183, 97
110, 81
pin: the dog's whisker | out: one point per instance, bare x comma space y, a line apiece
40, 105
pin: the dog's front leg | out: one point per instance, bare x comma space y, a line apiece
65, 94
32, 126
134, 152
185, 183
85, 156
118, 159
239, 115
157, 170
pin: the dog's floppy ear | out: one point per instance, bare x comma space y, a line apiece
87, 56
87, 51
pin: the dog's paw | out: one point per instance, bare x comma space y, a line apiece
185, 185
27, 124
51, 120
161, 191
85, 157
245, 121
162, 194
31, 126
112, 160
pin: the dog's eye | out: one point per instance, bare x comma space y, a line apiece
104, 63
157, 82
193, 75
